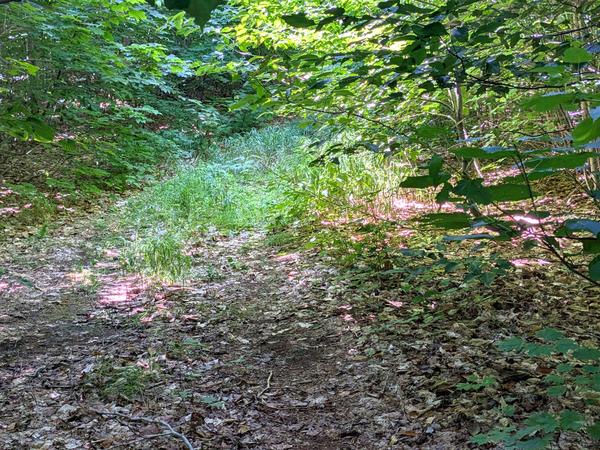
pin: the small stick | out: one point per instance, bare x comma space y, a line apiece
170, 430
268, 384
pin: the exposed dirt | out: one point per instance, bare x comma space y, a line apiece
256, 358
260, 351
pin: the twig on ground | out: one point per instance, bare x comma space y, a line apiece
170, 430
268, 384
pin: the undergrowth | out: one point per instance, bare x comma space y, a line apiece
234, 189
264, 179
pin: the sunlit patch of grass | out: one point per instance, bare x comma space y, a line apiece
234, 190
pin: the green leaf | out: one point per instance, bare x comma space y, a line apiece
586, 131
41, 131
549, 102
565, 345
542, 421
460, 33
299, 20
549, 69
244, 101
594, 431
554, 379
474, 191
587, 354
435, 167
449, 221
571, 420
550, 334
534, 444
576, 55
511, 344
533, 349
483, 153
509, 192
419, 182
564, 368
590, 245
556, 391
570, 161
594, 269
433, 29
577, 225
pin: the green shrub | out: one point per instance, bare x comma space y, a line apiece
574, 381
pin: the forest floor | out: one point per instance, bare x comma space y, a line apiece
264, 349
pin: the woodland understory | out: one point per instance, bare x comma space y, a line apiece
299, 225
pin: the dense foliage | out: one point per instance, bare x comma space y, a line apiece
416, 144
97, 94
510, 84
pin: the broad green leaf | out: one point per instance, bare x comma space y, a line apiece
299, 20
570, 161
420, 182
434, 167
509, 192
549, 69
590, 245
460, 33
449, 221
564, 368
533, 349
483, 153
548, 102
571, 420
550, 334
511, 344
554, 379
556, 391
576, 55
474, 191
587, 354
542, 421
594, 269
579, 225
534, 444
594, 431
565, 345
41, 131
587, 131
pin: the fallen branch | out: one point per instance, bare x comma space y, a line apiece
170, 431
268, 384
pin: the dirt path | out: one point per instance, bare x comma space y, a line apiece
255, 353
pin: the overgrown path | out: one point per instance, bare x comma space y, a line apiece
253, 354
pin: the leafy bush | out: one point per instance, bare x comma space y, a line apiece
574, 381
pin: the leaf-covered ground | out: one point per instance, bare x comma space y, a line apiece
269, 347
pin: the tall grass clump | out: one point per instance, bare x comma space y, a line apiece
235, 188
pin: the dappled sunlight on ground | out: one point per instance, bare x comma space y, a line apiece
120, 292
528, 262
9, 287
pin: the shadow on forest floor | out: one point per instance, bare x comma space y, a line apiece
268, 354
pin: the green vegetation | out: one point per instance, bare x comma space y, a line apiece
236, 188
435, 158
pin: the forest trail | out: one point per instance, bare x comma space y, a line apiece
256, 353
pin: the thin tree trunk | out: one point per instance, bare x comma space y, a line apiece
456, 97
